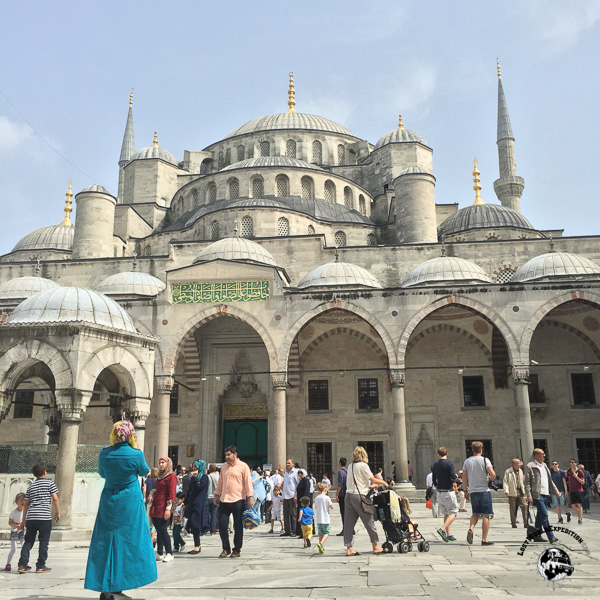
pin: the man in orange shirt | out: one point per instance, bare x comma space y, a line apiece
233, 488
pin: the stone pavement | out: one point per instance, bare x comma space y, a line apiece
274, 567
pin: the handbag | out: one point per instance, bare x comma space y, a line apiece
365, 501
428, 504
491, 484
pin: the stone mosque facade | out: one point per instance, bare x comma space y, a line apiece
296, 290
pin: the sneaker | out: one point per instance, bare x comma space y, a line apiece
235, 554
553, 540
443, 534
224, 554
487, 543
24, 569
320, 548
470, 536
340, 533
451, 538
308, 542
168, 558
579, 521
568, 517
560, 519
43, 569
159, 557
182, 547
7, 568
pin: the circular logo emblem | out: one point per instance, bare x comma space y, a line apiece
554, 564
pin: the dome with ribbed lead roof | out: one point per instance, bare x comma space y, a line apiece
50, 237
339, 274
131, 283
556, 265
25, 287
446, 269
236, 249
271, 161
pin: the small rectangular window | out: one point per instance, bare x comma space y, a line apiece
473, 392
368, 394
542, 443
488, 451
174, 401
583, 389
318, 394
375, 454
319, 460
174, 455
23, 405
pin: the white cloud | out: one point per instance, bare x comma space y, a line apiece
13, 135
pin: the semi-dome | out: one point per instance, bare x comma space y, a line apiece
51, 237
446, 269
95, 188
283, 121
271, 161
555, 265
237, 249
154, 152
25, 287
338, 274
399, 136
131, 283
478, 216
69, 305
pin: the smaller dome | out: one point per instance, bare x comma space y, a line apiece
400, 136
271, 161
25, 287
414, 171
446, 269
154, 152
131, 283
70, 305
555, 265
338, 274
51, 237
95, 188
238, 249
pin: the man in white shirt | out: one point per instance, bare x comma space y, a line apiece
432, 493
290, 483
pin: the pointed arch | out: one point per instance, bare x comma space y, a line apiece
363, 337
442, 327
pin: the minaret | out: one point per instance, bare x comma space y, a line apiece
291, 94
509, 187
128, 146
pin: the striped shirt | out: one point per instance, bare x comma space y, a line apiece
39, 494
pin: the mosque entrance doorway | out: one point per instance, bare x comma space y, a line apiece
250, 439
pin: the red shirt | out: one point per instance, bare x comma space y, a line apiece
574, 485
165, 491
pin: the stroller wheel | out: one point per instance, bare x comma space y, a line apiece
403, 547
420, 546
410, 546
387, 547
425, 546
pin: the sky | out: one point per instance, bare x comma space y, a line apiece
200, 70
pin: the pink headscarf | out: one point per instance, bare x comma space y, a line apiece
123, 431
162, 473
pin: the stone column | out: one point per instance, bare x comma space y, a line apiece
72, 405
400, 438
521, 378
279, 450
163, 387
52, 419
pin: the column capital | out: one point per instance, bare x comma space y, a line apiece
521, 374
164, 383
137, 410
397, 378
279, 381
72, 403
51, 416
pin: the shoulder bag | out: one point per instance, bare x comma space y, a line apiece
366, 501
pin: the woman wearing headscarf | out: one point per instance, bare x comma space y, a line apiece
163, 499
196, 512
121, 535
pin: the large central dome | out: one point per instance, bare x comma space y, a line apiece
291, 121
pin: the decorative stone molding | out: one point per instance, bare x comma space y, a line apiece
397, 377
51, 418
164, 383
521, 375
137, 410
72, 403
279, 381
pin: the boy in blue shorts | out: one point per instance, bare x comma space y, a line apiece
323, 505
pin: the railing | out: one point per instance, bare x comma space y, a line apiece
21, 458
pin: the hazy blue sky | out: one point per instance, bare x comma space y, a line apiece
200, 69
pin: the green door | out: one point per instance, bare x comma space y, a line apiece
250, 439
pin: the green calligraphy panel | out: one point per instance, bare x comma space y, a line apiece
216, 292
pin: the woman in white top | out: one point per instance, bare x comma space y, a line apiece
357, 485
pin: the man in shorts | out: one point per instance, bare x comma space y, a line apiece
559, 477
443, 479
477, 471
576, 481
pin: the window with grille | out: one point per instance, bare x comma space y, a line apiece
317, 152
214, 230
283, 227
473, 392
307, 187
319, 459
488, 450
234, 189
257, 187
371, 240
588, 453
283, 185
311, 230
241, 153
368, 394
211, 193
220, 161
340, 239
265, 149
329, 194
348, 203
362, 205
542, 443
174, 400
375, 454
290, 149
505, 275
318, 394
23, 405
583, 389
247, 227
341, 151
195, 197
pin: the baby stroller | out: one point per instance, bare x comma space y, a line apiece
398, 527
251, 516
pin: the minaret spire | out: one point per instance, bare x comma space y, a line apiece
68, 202
291, 94
127, 147
477, 182
509, 187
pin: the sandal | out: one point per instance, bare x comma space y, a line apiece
354, 554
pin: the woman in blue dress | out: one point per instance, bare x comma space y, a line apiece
196, 512
121, 556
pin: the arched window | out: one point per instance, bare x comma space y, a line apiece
282, 183
247, 227
311, 230
348, 199
283, 227
307, 187
241, 152
220, 161
317, 149
233, 187
290, 149
214, 230
340, 239
211, 193
257, 187
341, 154
194, 197
362, 205
329, 194
371, 240
206, 166
265, 149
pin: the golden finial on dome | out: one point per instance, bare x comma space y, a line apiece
476, 180
131, 98
155, 142
498, 67
291, 93
68, 202
400, 126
